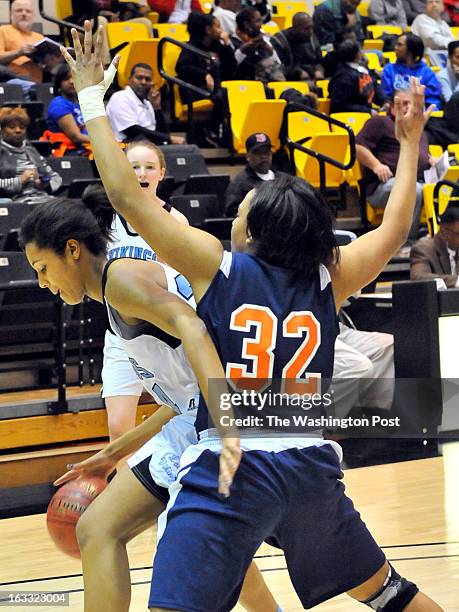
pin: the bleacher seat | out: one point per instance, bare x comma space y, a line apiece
72, 169
44, 93
183, 161
197, 207
279, 87
11, 216
178, 31
10, 93
207, 183
143, 50
332, 145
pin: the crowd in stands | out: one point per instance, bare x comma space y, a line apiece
242, 40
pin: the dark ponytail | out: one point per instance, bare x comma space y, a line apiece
51, 224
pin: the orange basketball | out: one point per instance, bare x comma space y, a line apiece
66, 507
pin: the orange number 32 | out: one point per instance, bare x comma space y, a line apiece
260, 350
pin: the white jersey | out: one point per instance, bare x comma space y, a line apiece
126, 243
157, 358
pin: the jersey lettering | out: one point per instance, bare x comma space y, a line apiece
260, 350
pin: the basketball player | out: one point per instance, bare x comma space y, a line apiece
271, 310
151, 312
121, 388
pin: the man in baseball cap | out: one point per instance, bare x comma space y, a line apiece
258, 168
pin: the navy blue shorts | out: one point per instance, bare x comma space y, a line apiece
293, 497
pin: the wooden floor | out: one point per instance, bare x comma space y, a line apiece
412, 509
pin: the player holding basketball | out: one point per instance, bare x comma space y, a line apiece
151, 312
286, 281
121, 387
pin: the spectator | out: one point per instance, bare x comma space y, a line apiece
352, 88
65, 120
24, 174
17, 46
444, 130
136, 110
175, 11
225, 11
387, 12
434, 31
438, 257
413, 8
112, 10
409, 51
263, 7
207, 35
333, 17
449, 76
299, 50
258, 168
256, 59
378, 151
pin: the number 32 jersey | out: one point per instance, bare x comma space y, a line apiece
267, 324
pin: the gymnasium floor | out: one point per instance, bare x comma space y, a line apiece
412, 508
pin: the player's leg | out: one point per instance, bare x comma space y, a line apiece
209, 540
121, 387
387, 591
122, 511
255, 595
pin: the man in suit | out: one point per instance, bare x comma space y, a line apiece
438, 257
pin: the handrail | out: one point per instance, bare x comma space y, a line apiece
320, 157
60, 22
188, 87
438, 186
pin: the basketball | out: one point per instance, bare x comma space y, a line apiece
66, 507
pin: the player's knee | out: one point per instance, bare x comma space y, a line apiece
394, 594
92, 528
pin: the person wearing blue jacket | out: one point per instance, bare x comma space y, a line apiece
409, 52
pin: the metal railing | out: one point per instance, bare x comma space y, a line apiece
187, 87
320, 157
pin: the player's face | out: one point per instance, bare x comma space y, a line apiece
239, 238
60, 274
147, 167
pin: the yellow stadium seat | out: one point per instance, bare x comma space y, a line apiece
324, 105
390, 56
435, 150
437, 113
454, 149
270, 30
372, 45
429, 208
356, 121
201, 108
363, 8
279, 20
378, 30
63, 8
373, 60
125, 31
139, 51
301, 124
455, 31
323, 84
206, 7
287, 9
240, 95
280, 86
332, 145
178, 31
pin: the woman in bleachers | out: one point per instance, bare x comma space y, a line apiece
353, 88
207, 35
409, 51
64, 120
24, 174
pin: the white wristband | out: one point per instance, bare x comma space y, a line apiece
91, 98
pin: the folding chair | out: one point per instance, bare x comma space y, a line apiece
197, 207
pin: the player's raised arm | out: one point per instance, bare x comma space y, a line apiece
364, 259
194, 253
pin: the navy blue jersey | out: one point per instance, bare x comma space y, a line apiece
267, 325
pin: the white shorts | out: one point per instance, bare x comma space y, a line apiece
118, 375
165, 449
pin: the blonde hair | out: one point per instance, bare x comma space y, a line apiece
149, 145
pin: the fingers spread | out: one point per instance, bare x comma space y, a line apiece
77, 45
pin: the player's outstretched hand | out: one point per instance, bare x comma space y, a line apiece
87, 67
230, 458
100, 464
409, 123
